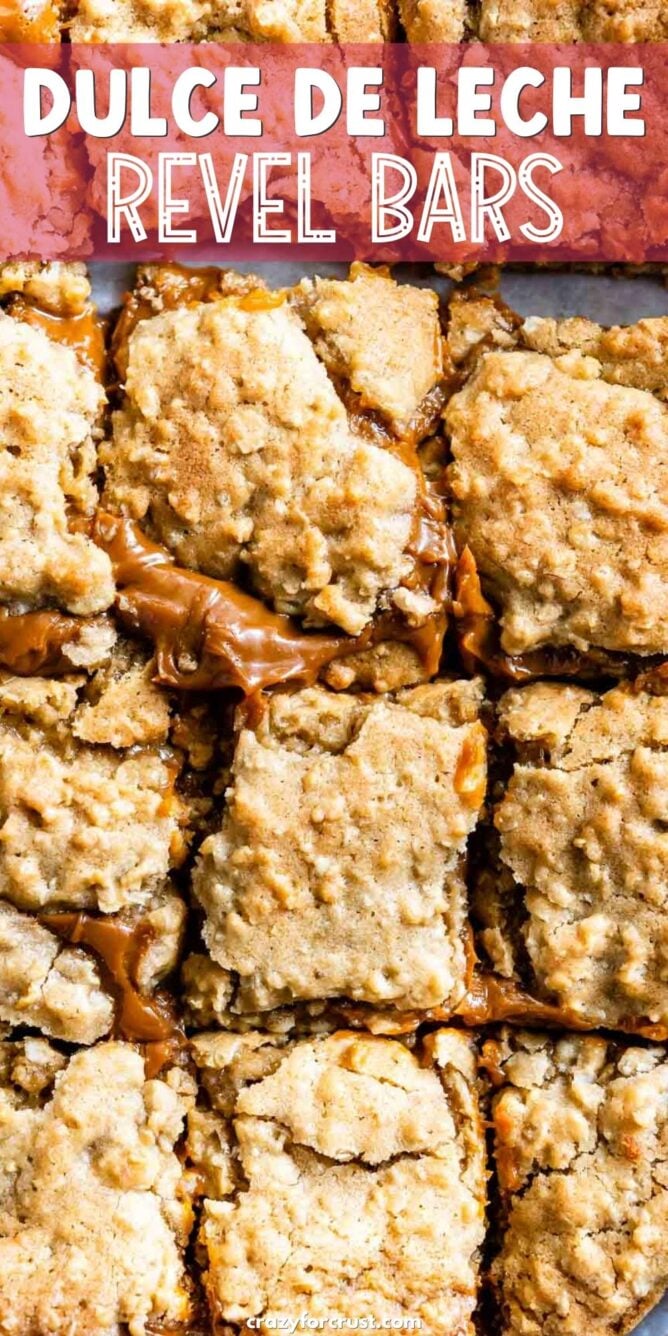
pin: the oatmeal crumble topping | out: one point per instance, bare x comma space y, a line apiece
336, 1167
581, 1145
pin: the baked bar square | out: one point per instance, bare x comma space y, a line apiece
93, 1216
344, 1178
381, 343
575, 909
92, 824
559, 443
51, 402
48, 986
338, 870
234, 448
581, 1133
90, 818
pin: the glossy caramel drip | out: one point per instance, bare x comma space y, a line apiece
207, 633
118, 945
432, 545
18, 26
84, 332
491, 1000
33, 642
470, 778
477, 631
426, 640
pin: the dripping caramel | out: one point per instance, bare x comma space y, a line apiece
33, 643
144, 1020
83, 332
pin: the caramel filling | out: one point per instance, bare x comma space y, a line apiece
207, 633
139, 1019
470, 778
32, 643
84, 332
477, 630
365, 420
491, 999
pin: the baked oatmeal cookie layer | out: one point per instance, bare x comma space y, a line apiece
338, 868
558, 478
51, 401
578, 892
572, 21
319, 21
92, 824
234, 448
334, 1171
90, 818
581, 1136
93, 1218
199, 20
380, 341
50, 987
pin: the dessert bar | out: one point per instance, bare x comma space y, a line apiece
338, 868
344, 1177
94, 1219
571, 902
558, 441
51, 403
580, 1157
275, 438
93, 824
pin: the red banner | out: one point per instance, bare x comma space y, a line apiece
450, 153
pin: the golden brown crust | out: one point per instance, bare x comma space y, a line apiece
581, 1143
337, 871
556, 484
626, 21
249, 379
90, 818
328, 413
54, 989
379, 338
324, 1162
199, 20
554, 21
83, 825
93, 1221
581, 849
50, 407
